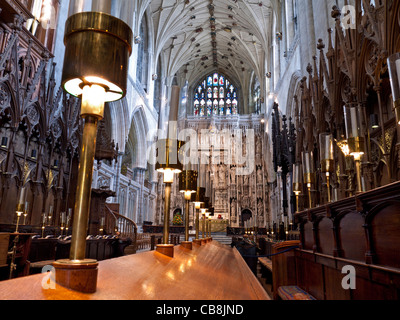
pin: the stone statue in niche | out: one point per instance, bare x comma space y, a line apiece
260, 175
260, 207
258, 144
246, 180
233, 207
233, 176
221, 175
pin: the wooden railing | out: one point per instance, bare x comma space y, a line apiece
143, 241
114, 222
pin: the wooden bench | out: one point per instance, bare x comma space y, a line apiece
294, 293
265, 262
266, 269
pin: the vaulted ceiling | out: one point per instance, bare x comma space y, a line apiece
196, 37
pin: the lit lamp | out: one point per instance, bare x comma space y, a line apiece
308, 173
97, 51
101, 229
69, 217
203, 211
394, 74
206, 224
188, 186
373, 120
198, 201
50, 215
20, 207
26, 212
326, 156
211, 214
62, 222
20, 211
43, 223
354, 139
297, 185
168, 165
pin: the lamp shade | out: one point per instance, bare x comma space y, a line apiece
308, 167
199, 195
373, 121
353, 130
167, 155
326, 152
297, 185
97, 51
188, 181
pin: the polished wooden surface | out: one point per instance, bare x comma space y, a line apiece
209, 272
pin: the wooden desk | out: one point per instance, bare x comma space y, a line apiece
210, 272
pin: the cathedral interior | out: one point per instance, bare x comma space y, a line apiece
255, 139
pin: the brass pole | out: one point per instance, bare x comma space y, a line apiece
329, 187
187, 220
166, 212
358, 174
197, 224
82, 201
297, 202
204, 226
309, 197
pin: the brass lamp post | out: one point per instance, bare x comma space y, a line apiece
97, 50
203, 212
354, 139
210, 214
308, 173
326, 156
20, 207
206, 215
168, 167
297, 185
188, 186
198, 200
394, 73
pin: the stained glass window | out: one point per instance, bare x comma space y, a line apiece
215, 79
215, 107
215, 95
209, 93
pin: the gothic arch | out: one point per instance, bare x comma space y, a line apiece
136, 145
292, 92
120, 123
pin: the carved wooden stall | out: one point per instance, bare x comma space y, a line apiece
40, 130
361, 231
360, 226
349, 71
39, 124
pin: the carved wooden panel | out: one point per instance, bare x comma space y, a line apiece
325, 236
352, 236
385, 235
